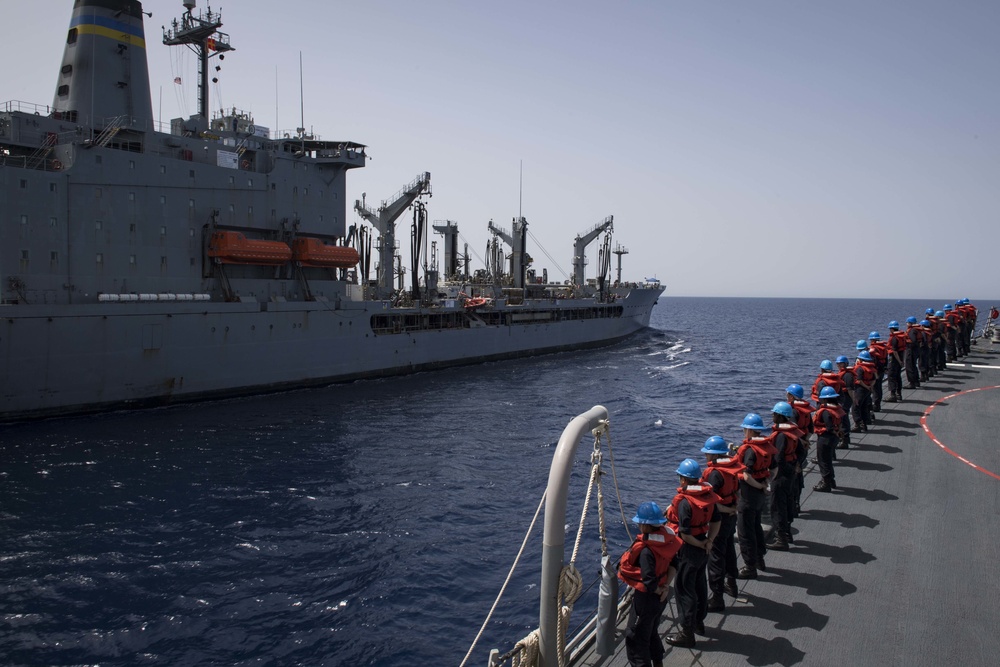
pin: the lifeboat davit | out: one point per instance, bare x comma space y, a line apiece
313, 252
235, 248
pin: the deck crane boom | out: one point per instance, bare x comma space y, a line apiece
384, 220
580, 245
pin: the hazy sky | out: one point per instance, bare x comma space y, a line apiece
749, 148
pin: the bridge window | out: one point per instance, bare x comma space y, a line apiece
63, 90
71, 37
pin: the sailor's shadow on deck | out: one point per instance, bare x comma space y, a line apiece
895, 422
843, 518
894, 433
813, 584
837, 554
863, 465
912, 413
784, 616
866, 494
758, 651
884, 449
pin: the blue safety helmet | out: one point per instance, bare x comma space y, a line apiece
947, 307
827, 393
826, 365
796, 390
929, 311
649, 513
874, 336
894, 324
841, 359
911, 320
784, 409
689, 468
925, 323
939, 313
753, 422
862, 345
715, 445
864, 355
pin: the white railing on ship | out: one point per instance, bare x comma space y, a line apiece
130, 298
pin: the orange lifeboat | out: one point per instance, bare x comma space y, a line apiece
235, 248
313, 252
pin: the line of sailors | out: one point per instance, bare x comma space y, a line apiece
719, 505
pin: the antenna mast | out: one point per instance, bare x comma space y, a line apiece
200, 34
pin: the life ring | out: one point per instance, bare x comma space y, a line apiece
245, 164
56, 165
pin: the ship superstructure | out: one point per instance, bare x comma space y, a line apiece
141, 267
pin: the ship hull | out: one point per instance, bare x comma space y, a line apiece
62, 360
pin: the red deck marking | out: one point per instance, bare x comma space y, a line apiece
930, 434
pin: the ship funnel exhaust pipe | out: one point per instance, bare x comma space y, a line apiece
104, 77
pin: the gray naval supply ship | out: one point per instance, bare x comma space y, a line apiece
143, 267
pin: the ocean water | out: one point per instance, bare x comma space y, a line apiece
370, 523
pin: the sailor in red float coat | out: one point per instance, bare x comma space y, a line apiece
648, 567
803, 419
789, 456
894, 365
827, 422
914, 346
865, 377
826, 379
757, 454
880, 357
722, 473
694, 516
923, 359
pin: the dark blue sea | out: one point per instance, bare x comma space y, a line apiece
370, 523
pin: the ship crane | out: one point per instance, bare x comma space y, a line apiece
384, 221
580, 245
517, 240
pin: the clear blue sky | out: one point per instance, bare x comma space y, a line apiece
747, 148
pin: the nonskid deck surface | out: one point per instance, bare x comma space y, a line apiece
896, 567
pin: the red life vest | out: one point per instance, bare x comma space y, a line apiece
664, 546
835, 410
926, 333
702, 500
827, 380
898, 341
792, 435
764, 451
803, 415
730, 469
865, 372
880, 352
843, 375
954, 319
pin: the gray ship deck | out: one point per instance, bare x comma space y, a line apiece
896, 567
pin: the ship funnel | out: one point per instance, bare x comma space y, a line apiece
104, 78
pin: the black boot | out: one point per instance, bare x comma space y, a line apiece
716, 603
746, 572
731, 588
823, 486
778, 544
683, 638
